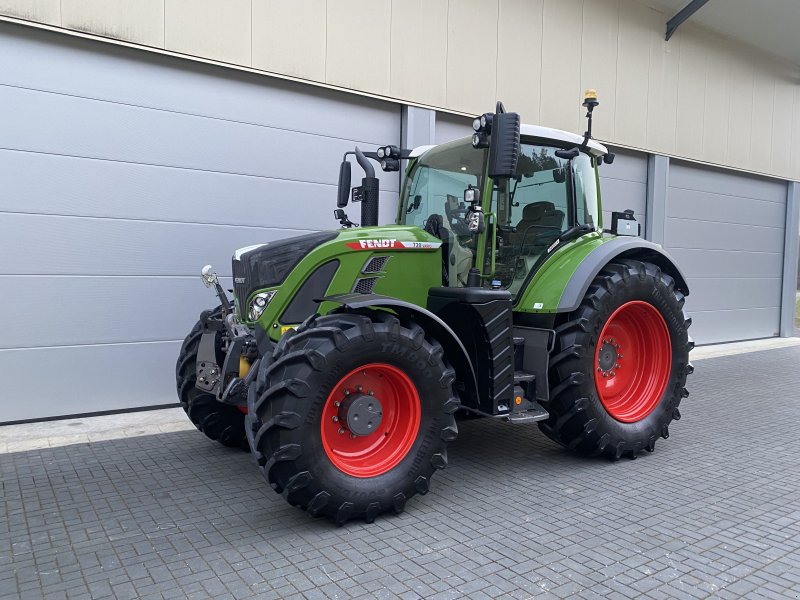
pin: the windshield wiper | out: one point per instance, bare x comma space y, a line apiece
573, 232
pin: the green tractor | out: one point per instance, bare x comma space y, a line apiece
346, 355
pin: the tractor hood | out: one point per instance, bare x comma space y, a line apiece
267, 265
394, 260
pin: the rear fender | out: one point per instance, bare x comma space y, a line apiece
454, 350
616, 248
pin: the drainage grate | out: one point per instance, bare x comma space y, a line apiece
365, 285
375, 264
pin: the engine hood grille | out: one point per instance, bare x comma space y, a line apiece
268, 265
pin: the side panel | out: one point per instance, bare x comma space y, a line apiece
406, 274
561, 283
543, 292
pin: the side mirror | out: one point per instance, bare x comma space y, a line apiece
476, 222
344, 184
504, 146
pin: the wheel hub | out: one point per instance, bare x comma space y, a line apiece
361, 414
608, 358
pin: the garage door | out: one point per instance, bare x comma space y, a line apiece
451, 127
122, 174
624, 186
726, 231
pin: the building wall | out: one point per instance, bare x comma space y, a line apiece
124, 172
699, 96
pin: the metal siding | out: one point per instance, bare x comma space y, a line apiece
726, 230
123, 173
451, 127
624, 185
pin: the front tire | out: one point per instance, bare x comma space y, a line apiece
222, 423
353, 415
619, 367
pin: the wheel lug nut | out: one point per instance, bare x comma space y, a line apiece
611, 373
599, 369
605, 374
335, 419
371, 393
347, 392
352, 436
341, 431
337, 404
616, 366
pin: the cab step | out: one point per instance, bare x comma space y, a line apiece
533, 414
523, 377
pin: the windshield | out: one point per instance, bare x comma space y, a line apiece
438, 180
535, 208
433, 199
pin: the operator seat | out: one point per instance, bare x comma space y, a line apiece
456, 259
538, 218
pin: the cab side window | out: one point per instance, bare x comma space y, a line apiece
532, 212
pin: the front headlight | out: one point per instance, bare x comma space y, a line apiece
259, 302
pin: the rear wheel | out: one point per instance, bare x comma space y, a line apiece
620, 364
220, 422
353, 414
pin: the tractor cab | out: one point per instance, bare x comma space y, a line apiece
553, 190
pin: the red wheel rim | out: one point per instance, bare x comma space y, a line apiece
380, 451
633, 360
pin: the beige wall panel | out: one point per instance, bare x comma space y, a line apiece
139, 21
289, 37
693, 64
41, 11
782, 128
561, 64
662, 94
741, 88
761, 129
209, 28
794, 156
717, 101
419, 50
472, 55
637, 23
519, 57
357, 31
599, 62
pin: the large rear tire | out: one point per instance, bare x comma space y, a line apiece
220, 422
353, 414
619, 367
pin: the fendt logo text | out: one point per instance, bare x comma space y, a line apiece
377, 243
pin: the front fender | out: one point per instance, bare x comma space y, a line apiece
454, 350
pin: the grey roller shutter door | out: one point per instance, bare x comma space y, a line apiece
726, 230
122, 174
624, 186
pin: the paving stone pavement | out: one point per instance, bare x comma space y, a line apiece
715, 511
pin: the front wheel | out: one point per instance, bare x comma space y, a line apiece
222, 423
620, 363
353, 414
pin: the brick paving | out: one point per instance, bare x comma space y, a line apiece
715, 511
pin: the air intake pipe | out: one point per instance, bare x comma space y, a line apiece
369, 187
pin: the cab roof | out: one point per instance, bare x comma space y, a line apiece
539, 132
